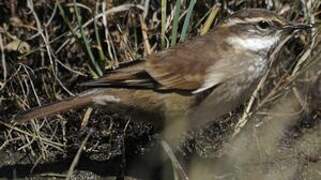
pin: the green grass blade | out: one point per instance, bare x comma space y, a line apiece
99, 46
210, 19
65, 19
187, 20
87, 43
163, 21
175, 22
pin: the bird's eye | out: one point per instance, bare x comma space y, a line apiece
263, 25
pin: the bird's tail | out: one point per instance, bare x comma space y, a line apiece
56, 107
140, 99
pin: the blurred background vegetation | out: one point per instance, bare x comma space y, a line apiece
48, 47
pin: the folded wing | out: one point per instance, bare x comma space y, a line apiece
188, 67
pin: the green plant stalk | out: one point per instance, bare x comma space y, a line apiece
210, 19
102, 56
86, 43
163, 21
187, 20
175, 22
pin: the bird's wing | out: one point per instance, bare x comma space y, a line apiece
133, 75
195, 65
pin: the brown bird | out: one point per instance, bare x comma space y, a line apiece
195, 82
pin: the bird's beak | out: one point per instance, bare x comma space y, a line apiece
294, 27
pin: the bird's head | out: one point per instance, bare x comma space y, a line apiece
258, 30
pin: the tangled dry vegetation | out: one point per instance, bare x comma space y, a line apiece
48, 47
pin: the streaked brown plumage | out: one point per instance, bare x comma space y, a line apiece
195, 82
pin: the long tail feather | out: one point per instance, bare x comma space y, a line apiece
56, 107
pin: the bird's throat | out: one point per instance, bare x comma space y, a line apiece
252, 43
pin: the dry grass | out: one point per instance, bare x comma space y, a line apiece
48, 47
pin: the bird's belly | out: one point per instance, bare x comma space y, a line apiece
224, 99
